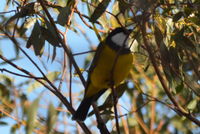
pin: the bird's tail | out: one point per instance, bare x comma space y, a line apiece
82, 111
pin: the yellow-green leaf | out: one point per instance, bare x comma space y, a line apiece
32, 116
51, 118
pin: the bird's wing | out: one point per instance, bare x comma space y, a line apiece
94, 63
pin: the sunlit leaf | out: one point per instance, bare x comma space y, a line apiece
51, 76
7, 80
161, 23
4, 92
33, 86
32, 116
14, 128
26, 25
51, 118
132, 122
192, 105
115, 10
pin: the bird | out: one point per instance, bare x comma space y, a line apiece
111, 64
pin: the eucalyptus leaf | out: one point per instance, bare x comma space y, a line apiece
63, 15
99, 10
192, 105
51, 118
177, 16
51, 76
48, 36
32, 116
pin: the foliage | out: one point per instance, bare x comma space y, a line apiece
161, 94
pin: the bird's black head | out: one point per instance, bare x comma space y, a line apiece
119, 39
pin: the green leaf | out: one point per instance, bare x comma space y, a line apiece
51, 29
7, 80
2, 123
38, 45
123, 5
63, 15
54, 54
36, 39
32, 116
100, 9
26, 25
116, 10
192, 105
88, 60
48, 36
4, 92
51, 118
161, 23
132, 122
14, 128
33, 86
51, 76
179, 88
11, 60
195, 20
158, 36
187, 11
177, 16
183, 41
34, 34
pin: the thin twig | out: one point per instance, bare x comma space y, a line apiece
89, 26
7, 12
115, 100
18, 46
137, 116
17, 74
86, 52
69, 53
65, 47
101, 125
64, 70
124, 123
55, 92
70, 82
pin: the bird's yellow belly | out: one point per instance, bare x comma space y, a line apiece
110, 69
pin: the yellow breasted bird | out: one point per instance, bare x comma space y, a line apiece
111, 65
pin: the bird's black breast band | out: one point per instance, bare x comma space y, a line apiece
121, 49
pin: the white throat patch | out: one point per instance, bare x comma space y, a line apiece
121, 39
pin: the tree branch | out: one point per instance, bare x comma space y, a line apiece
162, 81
